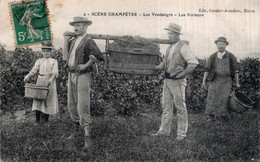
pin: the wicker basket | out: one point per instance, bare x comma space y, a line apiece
36, 91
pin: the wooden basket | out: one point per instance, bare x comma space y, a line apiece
34, 91
133, 60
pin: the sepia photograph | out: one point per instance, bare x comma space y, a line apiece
121, 80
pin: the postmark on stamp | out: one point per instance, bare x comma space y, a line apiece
30, 22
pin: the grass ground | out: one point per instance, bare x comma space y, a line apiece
124, 138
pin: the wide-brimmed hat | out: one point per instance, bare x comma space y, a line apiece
80, 20
174, 27
222, 39
47, 45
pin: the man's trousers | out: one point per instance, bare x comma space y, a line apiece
174, 94
79, 99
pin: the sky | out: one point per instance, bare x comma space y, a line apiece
240, 29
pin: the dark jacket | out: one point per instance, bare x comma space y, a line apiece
211, 64
86, 47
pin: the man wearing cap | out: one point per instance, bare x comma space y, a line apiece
80, 52
221, 68
178, 62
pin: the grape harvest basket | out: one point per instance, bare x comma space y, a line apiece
128, 57
132, 60
34, 91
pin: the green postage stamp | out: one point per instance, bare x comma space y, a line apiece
30, 22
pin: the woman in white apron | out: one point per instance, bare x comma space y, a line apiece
47, 70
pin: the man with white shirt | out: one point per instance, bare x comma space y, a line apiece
80, 52
221, 69
178, 62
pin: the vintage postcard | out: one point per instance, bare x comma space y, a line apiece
130, 80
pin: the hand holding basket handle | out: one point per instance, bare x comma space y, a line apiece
237, 85
26, 78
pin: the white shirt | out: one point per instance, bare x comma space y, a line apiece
45, 66
72, 55
220, 55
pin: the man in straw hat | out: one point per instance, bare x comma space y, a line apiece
178, 62
222, 67
81, 52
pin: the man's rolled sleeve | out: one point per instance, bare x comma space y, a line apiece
188, 55
94, 50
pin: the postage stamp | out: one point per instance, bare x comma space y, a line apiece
30, 22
